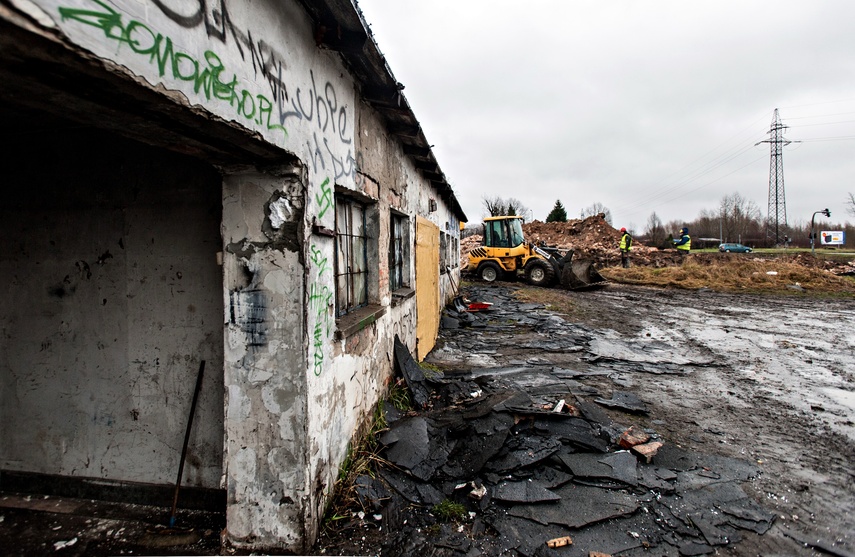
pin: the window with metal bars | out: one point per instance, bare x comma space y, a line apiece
397, 252
351, 273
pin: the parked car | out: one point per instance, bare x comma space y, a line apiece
736, 248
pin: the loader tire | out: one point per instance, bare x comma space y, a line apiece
489, 271
539, 273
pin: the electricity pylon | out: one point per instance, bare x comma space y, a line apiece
776, 222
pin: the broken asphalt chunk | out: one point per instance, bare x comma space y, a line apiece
690, 549
372, 493
413, 446
579, 506
523, 451
748, 515
413, 374
574, 431
619, 466
481, 441
624, 401
526, 491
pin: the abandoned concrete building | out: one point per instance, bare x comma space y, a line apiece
239, 183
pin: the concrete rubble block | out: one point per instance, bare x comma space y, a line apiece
579, 506
647, 451
632, 437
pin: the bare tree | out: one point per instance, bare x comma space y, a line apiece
497, 207
596, 209
516, 207
850, 204
739, 218
654, 230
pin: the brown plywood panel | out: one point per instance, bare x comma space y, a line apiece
427, 286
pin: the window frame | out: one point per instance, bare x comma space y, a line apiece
398, 275
351, 255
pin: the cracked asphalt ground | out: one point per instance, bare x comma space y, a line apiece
772, 382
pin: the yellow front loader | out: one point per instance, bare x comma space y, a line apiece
505, 253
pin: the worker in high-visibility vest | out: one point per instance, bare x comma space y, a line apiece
684, 244
625, 247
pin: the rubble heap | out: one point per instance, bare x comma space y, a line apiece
591, 238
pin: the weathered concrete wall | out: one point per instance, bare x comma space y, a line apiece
265, 358
112, 296
297, 387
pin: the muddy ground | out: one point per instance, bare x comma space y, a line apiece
767, 380
779, 390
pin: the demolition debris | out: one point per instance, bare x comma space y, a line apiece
535, 463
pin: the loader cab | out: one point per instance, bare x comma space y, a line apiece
503, 232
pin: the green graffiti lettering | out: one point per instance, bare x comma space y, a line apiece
190, 65
106, 21
163, 56
136, 33
246, 106
207, 76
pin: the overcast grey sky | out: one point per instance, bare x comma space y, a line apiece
642, 106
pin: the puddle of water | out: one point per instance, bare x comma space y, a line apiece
842, 397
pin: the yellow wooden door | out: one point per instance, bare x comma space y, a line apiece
427, 286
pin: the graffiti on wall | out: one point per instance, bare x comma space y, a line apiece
209, 76
320, 302
288, 100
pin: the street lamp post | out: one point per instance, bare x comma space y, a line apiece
825, 212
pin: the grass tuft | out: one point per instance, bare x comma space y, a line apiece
449, 512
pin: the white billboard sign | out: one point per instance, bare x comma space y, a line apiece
833, 238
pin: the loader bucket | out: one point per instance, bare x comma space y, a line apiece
580, 275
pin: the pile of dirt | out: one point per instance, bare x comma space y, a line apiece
591, 238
